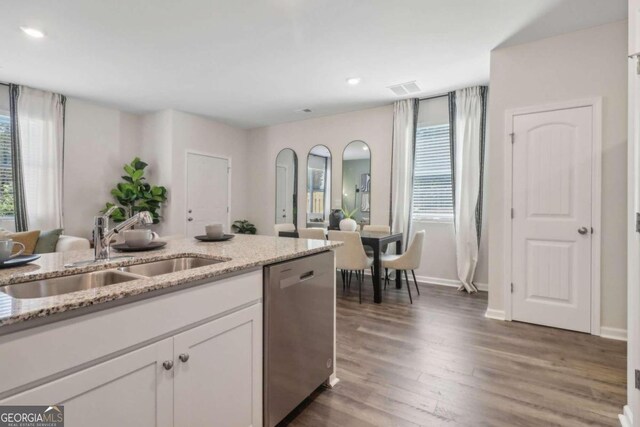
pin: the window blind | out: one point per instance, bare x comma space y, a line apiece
6, 183
432, 192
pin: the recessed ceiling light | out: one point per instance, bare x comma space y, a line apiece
365, 148
32, 32
354, 80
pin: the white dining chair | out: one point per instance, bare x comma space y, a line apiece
376, 229
350, 257
312, 233
410, 260
283, 227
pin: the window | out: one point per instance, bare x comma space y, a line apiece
6, 184
432, 186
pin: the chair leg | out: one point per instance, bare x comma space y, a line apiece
406, 278
360, 288
350, 279
415, 281
386, 277
344, 282
372, 272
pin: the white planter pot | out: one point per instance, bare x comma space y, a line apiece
348, 225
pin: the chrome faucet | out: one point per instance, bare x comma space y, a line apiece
102, 235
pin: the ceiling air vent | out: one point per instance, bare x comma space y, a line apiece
405, 88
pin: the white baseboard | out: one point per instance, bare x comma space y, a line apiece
484, 287
449, 282
453, 283
494, 314
613, 333
626, 418
438, 281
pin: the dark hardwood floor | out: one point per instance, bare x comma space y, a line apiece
441, 362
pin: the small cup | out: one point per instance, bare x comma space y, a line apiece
6, 247
214, 231
138, 238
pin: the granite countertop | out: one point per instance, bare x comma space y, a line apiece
241, 253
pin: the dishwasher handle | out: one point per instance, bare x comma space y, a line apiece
294, 280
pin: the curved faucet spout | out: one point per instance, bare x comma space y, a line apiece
102, 235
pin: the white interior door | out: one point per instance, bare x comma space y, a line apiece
551, 227
282, 196
207, 192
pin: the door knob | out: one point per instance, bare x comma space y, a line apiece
189, 211
183, 357
583, 230
189, 219
167, 364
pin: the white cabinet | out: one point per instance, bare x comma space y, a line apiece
218, 372
208, 375
108, 367
130, 390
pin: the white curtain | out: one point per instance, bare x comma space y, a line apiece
469, 126
404, 124
40, 118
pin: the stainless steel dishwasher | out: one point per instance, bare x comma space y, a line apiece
298, 331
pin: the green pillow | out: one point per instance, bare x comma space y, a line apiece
47, 241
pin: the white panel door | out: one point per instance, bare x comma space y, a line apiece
207, 192
218, 372
551, 227
131, 390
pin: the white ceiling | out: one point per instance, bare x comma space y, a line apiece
256, 62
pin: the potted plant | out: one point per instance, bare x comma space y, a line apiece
242, 226
348, 223
136, 195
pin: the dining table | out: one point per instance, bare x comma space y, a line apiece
378, 241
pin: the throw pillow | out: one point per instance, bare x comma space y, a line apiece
47, 241
27, 238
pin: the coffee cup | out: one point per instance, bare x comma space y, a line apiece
6, 248
138, 238
214, 231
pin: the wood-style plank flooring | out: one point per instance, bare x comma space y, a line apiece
441, 362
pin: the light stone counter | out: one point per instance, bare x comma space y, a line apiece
241, 253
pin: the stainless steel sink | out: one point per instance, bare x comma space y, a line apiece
166, 266
67, 284
80, 282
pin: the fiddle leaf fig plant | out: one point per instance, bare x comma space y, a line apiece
135, 194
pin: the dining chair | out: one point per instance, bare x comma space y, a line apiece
350, 257
312, 233
410, 260
283, 227
376, 229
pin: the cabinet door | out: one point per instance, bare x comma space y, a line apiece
130, 390
221, 381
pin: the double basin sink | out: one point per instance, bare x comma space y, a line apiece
98, 279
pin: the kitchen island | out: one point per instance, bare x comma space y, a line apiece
178, 348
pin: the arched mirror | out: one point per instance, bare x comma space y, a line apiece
287, 187
318, 186
356, 181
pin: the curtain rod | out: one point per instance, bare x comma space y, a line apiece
433, 97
